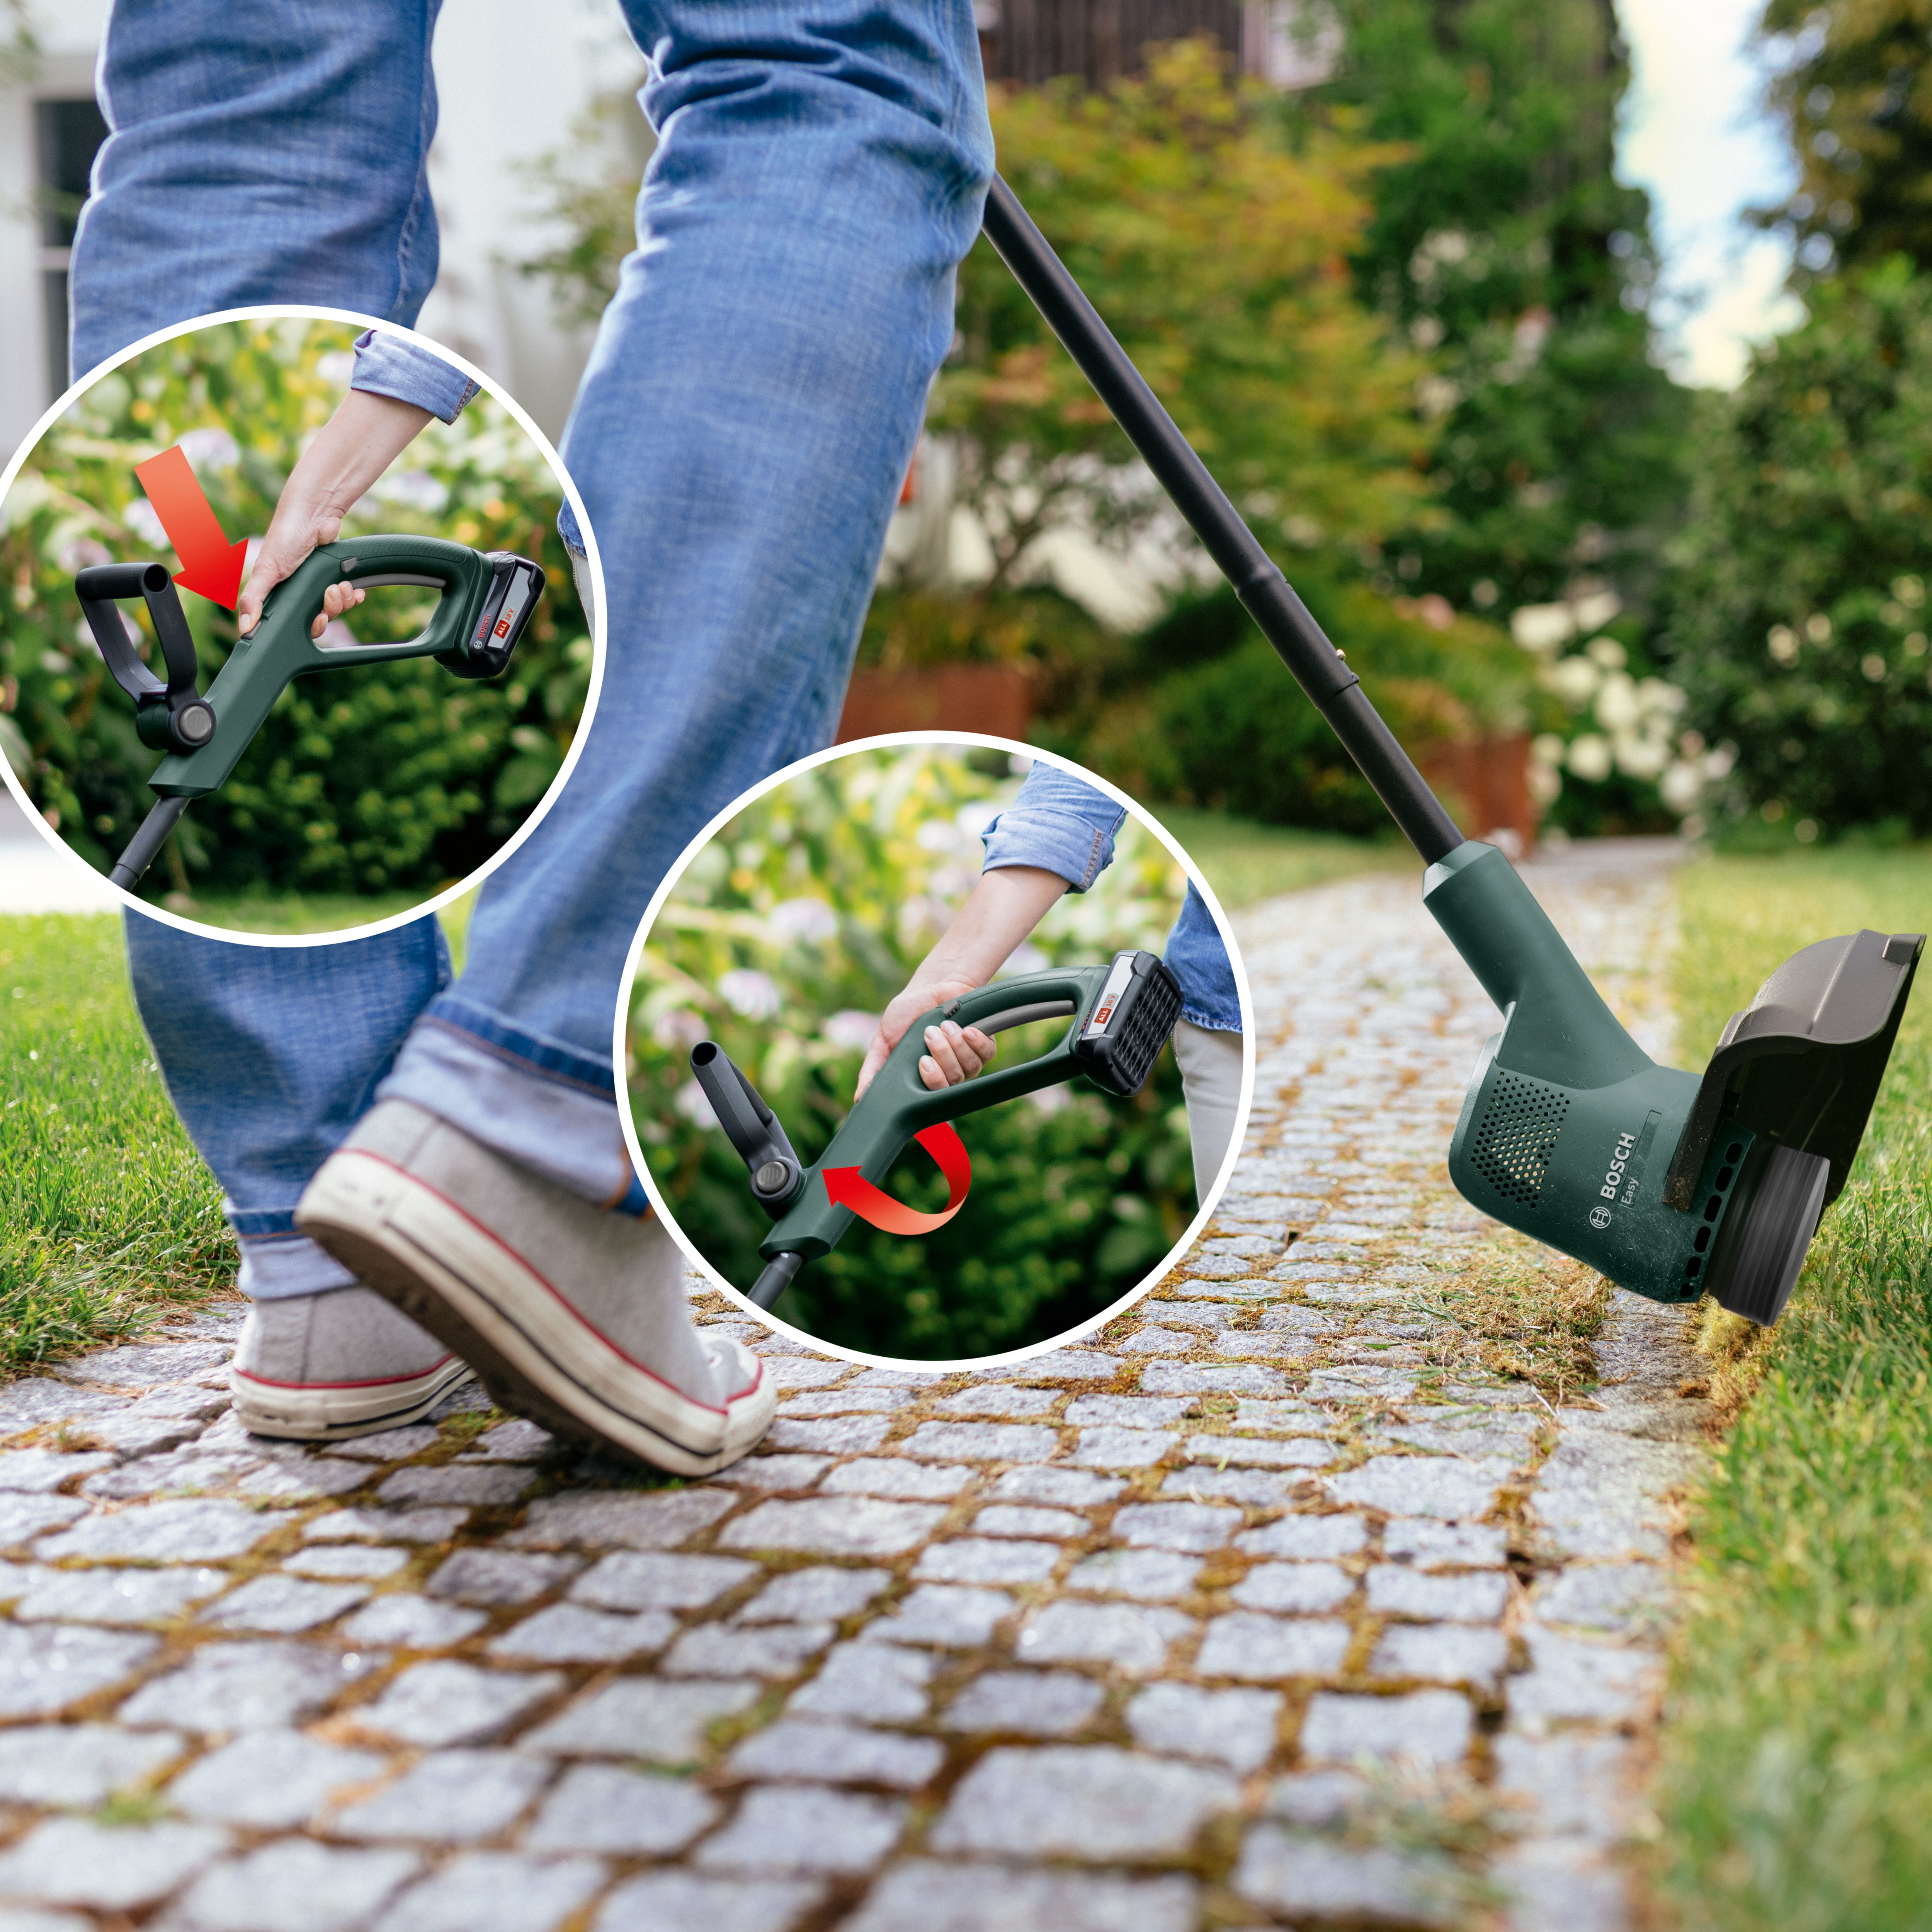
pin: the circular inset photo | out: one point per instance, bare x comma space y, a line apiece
296, 644
936, 1049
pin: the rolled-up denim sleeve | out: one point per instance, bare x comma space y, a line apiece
1057, 823
391, 365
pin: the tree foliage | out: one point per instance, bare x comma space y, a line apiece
366, 780
1801, 614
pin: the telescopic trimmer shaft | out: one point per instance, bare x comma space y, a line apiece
146, 842
1283, 619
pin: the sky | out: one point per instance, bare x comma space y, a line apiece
1692, 132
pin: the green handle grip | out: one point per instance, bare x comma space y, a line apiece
898, 1104
280, 648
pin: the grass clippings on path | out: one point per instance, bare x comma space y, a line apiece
107, 1217
1797, 1758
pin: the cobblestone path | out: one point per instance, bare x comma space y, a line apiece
1244, 1615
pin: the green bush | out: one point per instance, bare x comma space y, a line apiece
367, 781
1800, 620
783, 941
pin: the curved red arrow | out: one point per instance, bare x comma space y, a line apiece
211, 565
849, 1188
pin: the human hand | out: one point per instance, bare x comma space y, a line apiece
953, 1053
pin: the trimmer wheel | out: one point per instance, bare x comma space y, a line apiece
1780, 1195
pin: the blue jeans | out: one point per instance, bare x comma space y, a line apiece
751, 402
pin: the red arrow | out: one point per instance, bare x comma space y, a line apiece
211, 565
849, 1188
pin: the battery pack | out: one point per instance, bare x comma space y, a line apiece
1128, 1023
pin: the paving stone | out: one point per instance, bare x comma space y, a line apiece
1114, 1448
944, 1614
40, 1472
44, 1668
270, 1779
1016, 1519
1132, 1637
449, 1797
476, 1482
598, 1808
494, 1891
405, 1622
1616, 1597
296, 1885
1441, 1545
1448, 1653
1131, 1412
790, 1828
976, 1560
442, 1702
677, 1901
494, 1578
1075, 1489
835, 1526
779, 1473
1568, 1785
879, 1682
388, 1445
1301, 1588
284, 1604
643, 1717
820, 1593
1297, 1453
140, 1365
981, 1442
1236, 1728
755, 1650
1319, 1799
802, 1749
346, 1560
24, 1517
202, 1530
75, 1861
1292, 1418
658, 1581
790, 1372
186, 1472
77, 1765
36, 1918
893, 1476
1311, 1878
839, 1436
1428, 1727
1000, 1399
300, 1482
1444, 1486
117, 1596
1093, 1802
1028, 1703
1190, 1526
1212, 1378
1398, 1590
1154, 1340
247, 1687
932, 1896
1306, 1536
1068, 1365
1570, 1678
130, 1433
1568, 1882
1259, 1488
848, 1401
569, 1633
1242, 1644
45, 1399
374, 1525
517, 1441
1153, 1574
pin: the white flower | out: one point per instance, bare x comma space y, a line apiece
1590, 757
1680, 785
937, 835
1781, 641
1639, 756
1546, 748
751, 994
1595, 610
1026, 958
1542, 627
974, 818
139, 517
1545, 783
1574, 680
414, 489
691, 1103
1608, 652
210, 449
679, 1028
1617, 709
811, 921
1720, 763
850, 1028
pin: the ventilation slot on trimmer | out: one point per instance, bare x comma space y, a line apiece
1517, 1137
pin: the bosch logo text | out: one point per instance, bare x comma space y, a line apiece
1619, 1160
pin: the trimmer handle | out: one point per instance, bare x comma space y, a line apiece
750, 1126
170, 717
487, 602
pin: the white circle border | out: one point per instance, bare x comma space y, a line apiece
885, 741
283, 311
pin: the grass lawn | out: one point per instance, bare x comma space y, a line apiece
1244, 862
292, 912
107, 1215
1797, 1758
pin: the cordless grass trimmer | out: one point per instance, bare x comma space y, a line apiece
1671, 1184
1120, 1016
487, 600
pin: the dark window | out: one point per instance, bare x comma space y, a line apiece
68, 134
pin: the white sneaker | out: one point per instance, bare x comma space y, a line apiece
342, 1363
573, 1316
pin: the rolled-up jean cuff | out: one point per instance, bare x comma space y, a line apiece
537, 1102
277, 1262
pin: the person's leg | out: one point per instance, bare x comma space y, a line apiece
1210, 1060
258, 154
752, 401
